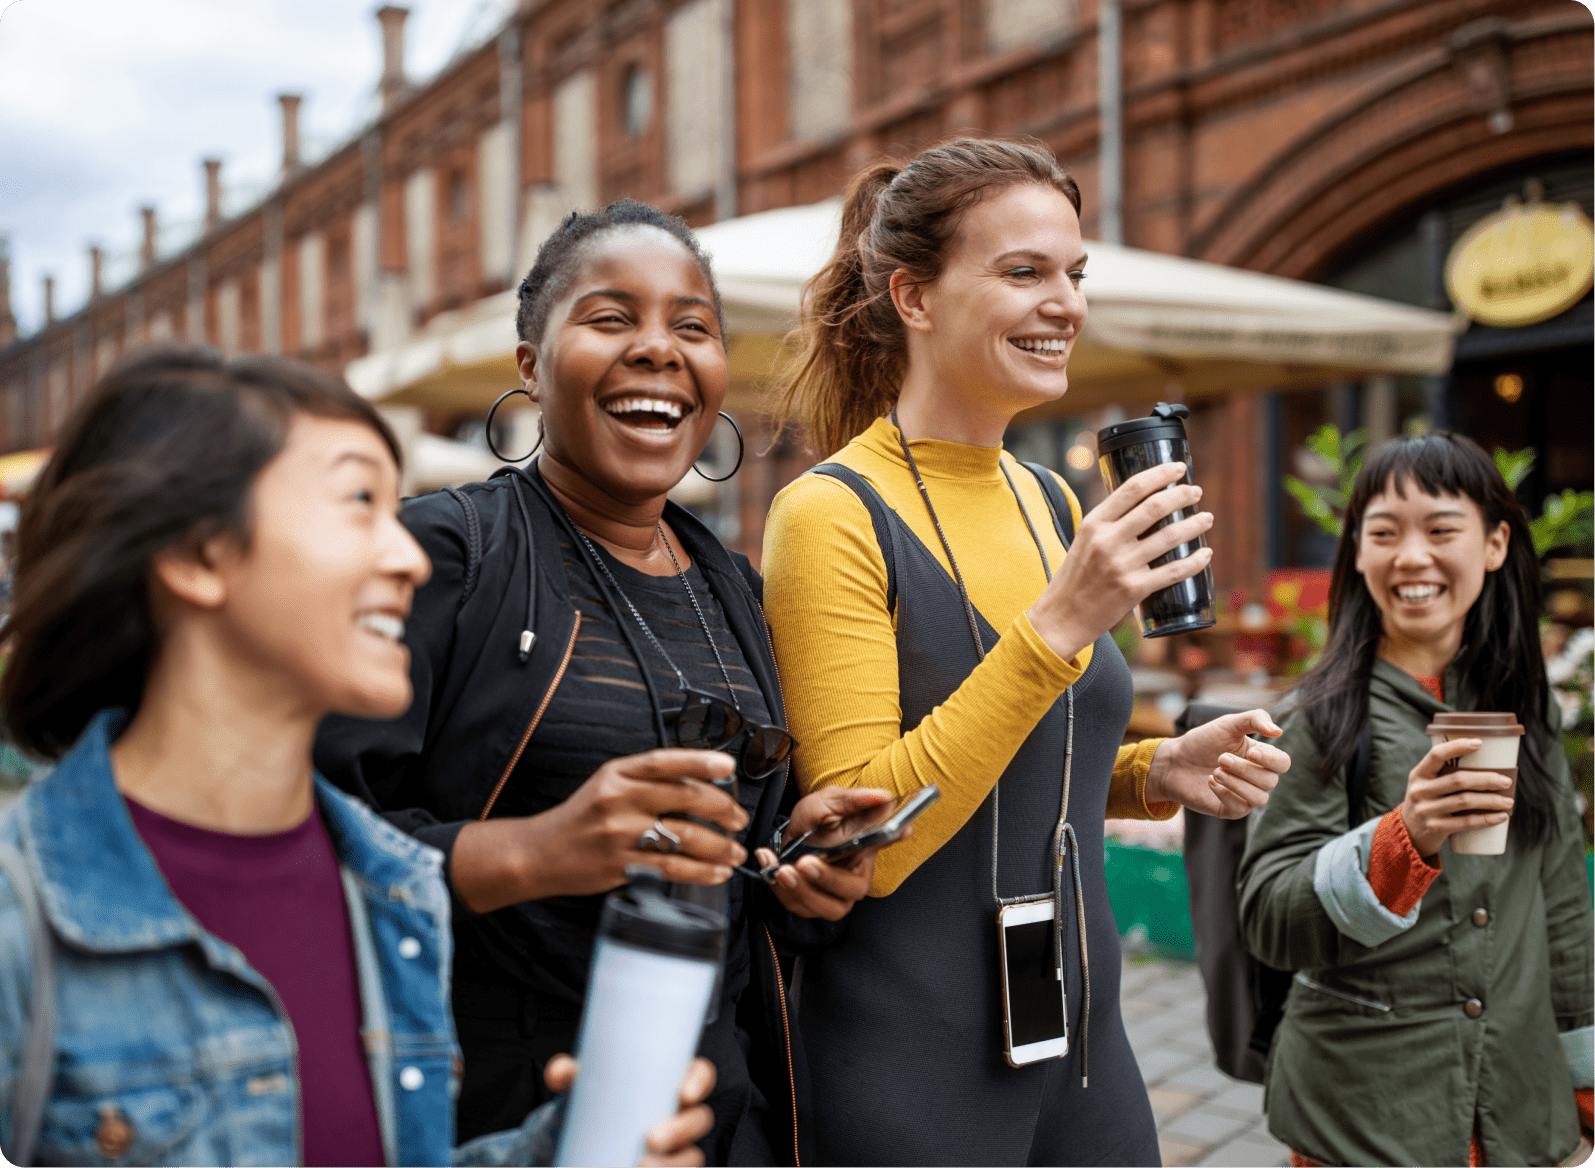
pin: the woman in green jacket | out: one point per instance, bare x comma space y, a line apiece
1442, 1008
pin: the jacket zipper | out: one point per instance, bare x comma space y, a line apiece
779, 696
1341, 994
780, 982
786, 1030
531, 727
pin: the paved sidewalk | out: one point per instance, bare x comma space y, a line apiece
1203, 1116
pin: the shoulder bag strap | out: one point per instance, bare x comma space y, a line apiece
36, 1068
1057, 502
876, 506
1357, 778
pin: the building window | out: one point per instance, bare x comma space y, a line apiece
1012, 23
459, 197
819, 56
695, 67
637, 99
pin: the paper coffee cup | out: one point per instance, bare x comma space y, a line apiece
1500, 734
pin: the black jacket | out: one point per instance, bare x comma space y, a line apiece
477, 699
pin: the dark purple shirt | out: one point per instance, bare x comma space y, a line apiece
279, 900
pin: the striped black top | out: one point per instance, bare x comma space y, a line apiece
602, 710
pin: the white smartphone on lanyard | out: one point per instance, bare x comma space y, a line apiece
1035, 1007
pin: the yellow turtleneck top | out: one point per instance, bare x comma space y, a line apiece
836, 647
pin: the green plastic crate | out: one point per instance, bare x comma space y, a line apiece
1148, 889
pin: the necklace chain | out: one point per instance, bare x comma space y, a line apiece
702, 623
648, 632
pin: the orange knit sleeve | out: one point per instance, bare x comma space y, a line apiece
1398, 874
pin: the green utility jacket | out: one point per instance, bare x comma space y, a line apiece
1398, 1031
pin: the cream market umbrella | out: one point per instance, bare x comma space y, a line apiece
1160, 326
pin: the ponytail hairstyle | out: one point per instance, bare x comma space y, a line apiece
1501, 665
854, 349
164, 450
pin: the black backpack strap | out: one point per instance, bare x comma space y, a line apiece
473, 541
879, 519
1057, 501
35, 1077
1357, 778
1273, 985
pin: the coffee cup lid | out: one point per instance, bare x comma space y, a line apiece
1475, 724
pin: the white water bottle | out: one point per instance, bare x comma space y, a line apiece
654, 971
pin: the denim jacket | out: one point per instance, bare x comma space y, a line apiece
170, 1048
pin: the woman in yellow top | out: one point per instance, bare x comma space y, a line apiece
932, 625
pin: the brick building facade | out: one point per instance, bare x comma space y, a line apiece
1345, 141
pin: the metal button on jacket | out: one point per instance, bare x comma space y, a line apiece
1473, 1008
1481, 917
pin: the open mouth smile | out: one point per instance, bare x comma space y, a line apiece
653, 414
1417, 593
386, 625
1052, 350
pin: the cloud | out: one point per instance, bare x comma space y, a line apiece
109, 104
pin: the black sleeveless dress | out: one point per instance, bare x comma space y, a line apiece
902, 1019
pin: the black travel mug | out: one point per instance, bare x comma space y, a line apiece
1126, 449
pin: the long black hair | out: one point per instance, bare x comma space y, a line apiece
165, 449
1501, 665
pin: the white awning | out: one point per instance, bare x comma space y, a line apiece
1159, 324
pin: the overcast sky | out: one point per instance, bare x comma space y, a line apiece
109, 104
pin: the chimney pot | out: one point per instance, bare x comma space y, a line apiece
49, 301
147, 254
394, 83
290, 132
213, 193
96, 271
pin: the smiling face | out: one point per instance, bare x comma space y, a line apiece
631, 371
1002, 318
319, 596
1423, 559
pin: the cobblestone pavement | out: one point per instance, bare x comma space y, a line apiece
1203, 1116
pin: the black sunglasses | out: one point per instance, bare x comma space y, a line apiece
706, 722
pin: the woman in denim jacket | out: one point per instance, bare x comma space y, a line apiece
247, 967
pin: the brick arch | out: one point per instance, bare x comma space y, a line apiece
1426, 130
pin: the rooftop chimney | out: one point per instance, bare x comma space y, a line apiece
290, 132
8, 322
147, 254
213, 194
49, 301
96, 271
393, 84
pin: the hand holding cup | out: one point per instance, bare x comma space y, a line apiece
1443, 801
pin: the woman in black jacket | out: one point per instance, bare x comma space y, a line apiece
575, 626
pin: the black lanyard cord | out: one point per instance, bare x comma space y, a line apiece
1065, 843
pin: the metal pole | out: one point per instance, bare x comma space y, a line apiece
1110, 120
725, 187
510, 98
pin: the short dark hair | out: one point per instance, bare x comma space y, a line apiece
165, 448
562, 251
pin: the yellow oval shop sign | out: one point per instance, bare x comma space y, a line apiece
1522, 265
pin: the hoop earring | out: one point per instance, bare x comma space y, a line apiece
742, 448
488, 429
